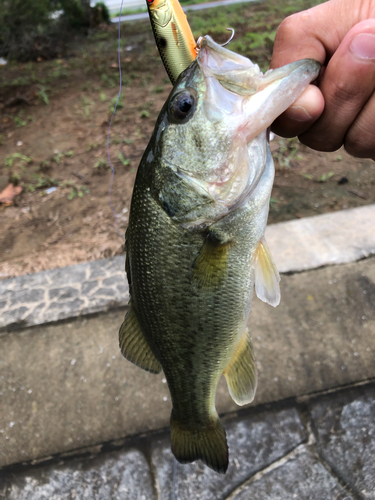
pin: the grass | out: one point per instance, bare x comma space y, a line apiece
92, 60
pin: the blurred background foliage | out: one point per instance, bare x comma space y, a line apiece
32, 29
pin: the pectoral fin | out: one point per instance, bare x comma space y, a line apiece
134, 346
210, 267
241, 373
267, 277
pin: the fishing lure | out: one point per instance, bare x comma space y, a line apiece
173, 36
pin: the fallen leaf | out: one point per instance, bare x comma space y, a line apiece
9, 193
360, 194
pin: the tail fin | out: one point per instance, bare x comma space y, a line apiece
208, 443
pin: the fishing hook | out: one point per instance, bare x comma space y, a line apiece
231, 37
199, 41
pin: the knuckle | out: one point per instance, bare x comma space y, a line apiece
287, 28
359, 145
320, 142
343, 93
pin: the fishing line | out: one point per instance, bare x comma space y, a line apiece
174, 480
110, 124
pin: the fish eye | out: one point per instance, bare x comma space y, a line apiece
182, 106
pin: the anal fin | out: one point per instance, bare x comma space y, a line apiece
241, 373
266, 274
134, 346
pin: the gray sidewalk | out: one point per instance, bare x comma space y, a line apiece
320, 448
98, 426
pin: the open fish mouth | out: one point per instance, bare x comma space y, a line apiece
239, 95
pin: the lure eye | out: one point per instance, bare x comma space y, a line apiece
150, 2
182, 106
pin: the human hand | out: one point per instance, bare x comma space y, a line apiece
340, 110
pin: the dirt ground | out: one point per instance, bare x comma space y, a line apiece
53, 134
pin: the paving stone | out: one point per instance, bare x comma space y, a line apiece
345, 425
301, 477
254, 442
118, 475
64, 293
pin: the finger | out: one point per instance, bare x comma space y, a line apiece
307, 34
347, 84
314, 33
301, 115
360, 138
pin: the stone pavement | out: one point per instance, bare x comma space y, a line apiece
318, 448
79, 421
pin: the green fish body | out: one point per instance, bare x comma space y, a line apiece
195, 242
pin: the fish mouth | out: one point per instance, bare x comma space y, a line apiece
238, 87
239, 95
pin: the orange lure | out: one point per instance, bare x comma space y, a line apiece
173, 36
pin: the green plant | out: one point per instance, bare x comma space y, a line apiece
120, 103
77, 13
144, 113
42, 95
91, 145
43, 181
23, 23
86, 105
57, 157
122, 159
9, 159
19, 122
273, 202
15, 163
101, 166
325, 177
101, 14
108, 81
44, 165
287, 150
78, 191
158, 89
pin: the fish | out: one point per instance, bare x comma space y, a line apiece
173, 36
195, 246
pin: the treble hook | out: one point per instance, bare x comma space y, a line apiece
199, 41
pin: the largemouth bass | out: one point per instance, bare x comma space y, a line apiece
195, 241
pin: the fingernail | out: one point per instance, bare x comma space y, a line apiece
363, 46
299, 114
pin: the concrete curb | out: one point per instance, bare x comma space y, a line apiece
312, 242
82, 289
